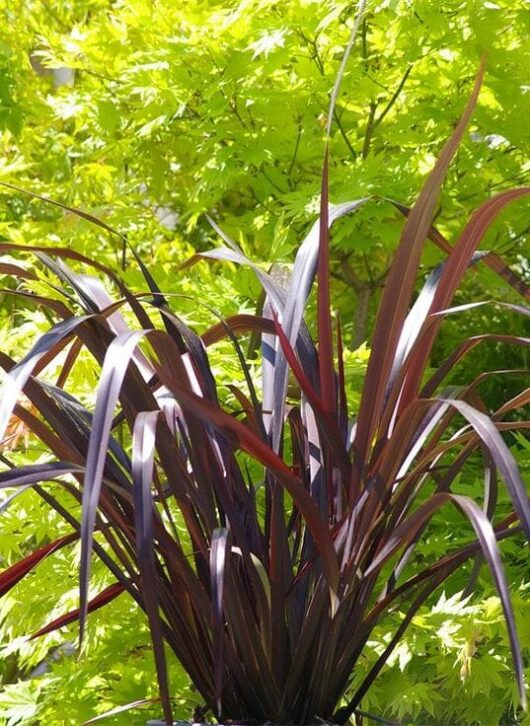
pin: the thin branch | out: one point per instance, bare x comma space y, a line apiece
338, 80
261, 202
316, 58
364, 44
271, 181
296, 147
374, 122
394, 98
100, 76
340, 127
350, 275
368, 268
50, 10
231, 100
376, 82
369, 129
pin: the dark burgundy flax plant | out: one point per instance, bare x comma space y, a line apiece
265, 544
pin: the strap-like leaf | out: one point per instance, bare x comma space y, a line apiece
291, 315
418, 314
328, 391
254, 446
15, 573
54, 339
33, 473
289, 306
143, 454
73, 210
451, 276
119, 709
115, 365
397, 295
486, 536
492, 260
105, 596
502, 457
217, 576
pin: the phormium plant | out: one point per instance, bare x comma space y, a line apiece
265, 544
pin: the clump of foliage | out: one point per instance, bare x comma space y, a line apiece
262, 543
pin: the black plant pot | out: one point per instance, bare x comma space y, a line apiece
158, 722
